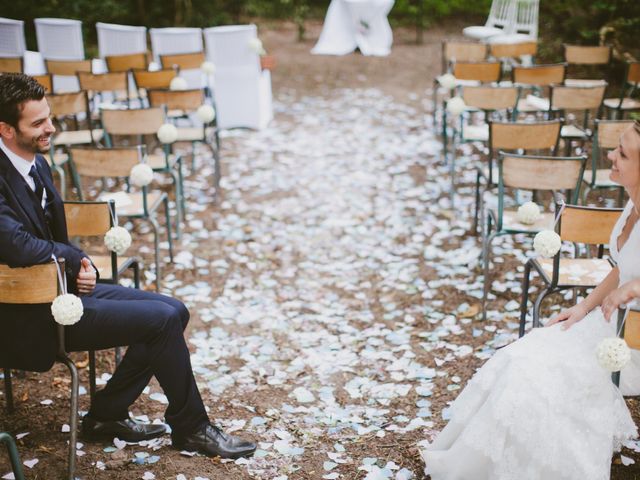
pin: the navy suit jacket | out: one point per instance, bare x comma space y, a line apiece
28, 339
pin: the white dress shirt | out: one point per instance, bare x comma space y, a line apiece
23, 167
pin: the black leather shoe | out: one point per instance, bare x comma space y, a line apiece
213, 442
127, 430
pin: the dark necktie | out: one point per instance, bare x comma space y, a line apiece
33, 173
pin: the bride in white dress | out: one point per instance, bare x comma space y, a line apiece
543, 408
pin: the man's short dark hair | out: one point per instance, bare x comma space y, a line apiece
15, 90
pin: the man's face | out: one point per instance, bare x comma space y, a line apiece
34, 130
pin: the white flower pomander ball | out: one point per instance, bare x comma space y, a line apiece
67, 309
117, 239
206, 113
255, 44
178, 83
448, 81
167, 133
528, 213
547, 243
207, 67
455, 106
613, 354
141, 175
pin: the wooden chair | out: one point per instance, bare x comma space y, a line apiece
586, 57
46, 81
125, 63
159, 79
537, 79
12, 450
11, 65
627, 101
68, 70
182, 61
536, 174
104, 86
100, 163
511, 54
479, 72
629, 329
606, 137
579, 225
455, 51
39, 285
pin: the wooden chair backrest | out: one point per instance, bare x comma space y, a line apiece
63, 104
512, 50
184, 61
485, 72
157, 79
633, 76
124, 63
46, 81
588, 225
188, 100
587, 55
67, 67
609, 132
542, 173
487, 97
87, 219
105, 162
103, 82
540, 75
464, 51
528, 136
143, 121
29, 285
632, 329
577, 98
11, 65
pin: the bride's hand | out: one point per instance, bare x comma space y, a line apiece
619, 296
569, 316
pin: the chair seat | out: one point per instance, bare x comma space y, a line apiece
533, 104
510, 222
579, 272
627, 103
480, 32
479, 133
584, 82
190, 134
59, 158
572, 131
157, 161
78, 137
602, 178
103, 264
131, 204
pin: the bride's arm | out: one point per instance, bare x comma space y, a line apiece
578, 312
619, 296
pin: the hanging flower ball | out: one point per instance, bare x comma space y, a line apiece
528, 213
206, 113
547, 243
117, 239
207, 67
178, 83
447, 80
613, 354
167, 133
141, 175
67, 309
255, 44
455, 106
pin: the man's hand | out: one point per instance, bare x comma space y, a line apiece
569, 317
86, 277
619, 296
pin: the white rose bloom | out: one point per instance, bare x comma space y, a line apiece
178, 83
613, 354
141, 175
117, 239
206, 113
547, 243
255, 44
207, 67
67, 309
455, 106
447, 80
528, 213
167, 133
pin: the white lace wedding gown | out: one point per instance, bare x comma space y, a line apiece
542, 408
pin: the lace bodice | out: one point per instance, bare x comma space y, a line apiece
628, 259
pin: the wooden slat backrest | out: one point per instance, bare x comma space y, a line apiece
609, 132
485, 72
144, 121
29, 285
45, 80
103, 82
511, 50
68, 103
124, 63
68, 67
527, 136
540, 75
632, 329
105, 162
588, 225
577, 98
187, 100
157, 79
490, 98
11, 65
587, 55
634, 73
542, 173
85, 219
184, 61
464, 51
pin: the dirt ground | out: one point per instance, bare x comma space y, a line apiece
406, 75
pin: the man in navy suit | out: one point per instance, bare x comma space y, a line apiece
32, 229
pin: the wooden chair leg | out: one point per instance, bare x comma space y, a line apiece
73, 418
8, 390
16, 465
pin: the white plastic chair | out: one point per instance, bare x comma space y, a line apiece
525, 23
120, 39
12, 43
242, 89
501, 19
